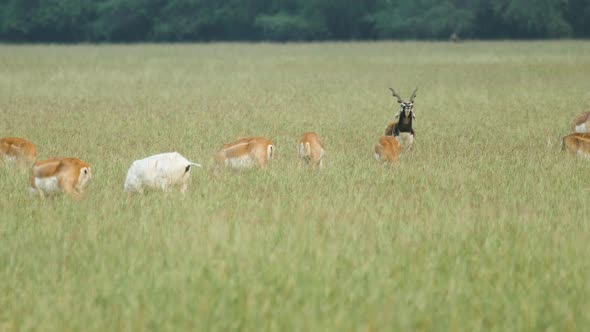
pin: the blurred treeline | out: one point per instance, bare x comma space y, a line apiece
288, 20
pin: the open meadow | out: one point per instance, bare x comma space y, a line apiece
482, 226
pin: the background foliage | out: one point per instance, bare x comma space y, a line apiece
288, 20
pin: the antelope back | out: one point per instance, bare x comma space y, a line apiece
577, 143
19, 148
387, 149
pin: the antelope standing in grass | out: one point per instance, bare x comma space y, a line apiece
387, 150
581, 123
402, 129
19, 150
245, 153
60, 175
161, 171
577, 144
310, 149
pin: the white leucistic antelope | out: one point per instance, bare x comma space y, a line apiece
581, 123
387, 150
401, 128
245, 153
69, 176
577, 144
310, 149
160, 171
19, 150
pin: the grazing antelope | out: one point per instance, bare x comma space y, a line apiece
402, 128
60, 175
581, 123
159, 171
311, 149
577, 144
387, 150
245, 153
19, 150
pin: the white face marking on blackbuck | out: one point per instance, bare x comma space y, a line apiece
406, 107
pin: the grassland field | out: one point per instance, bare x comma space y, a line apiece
483, 226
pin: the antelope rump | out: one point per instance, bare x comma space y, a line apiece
160, 171
387, 150
310, 149
581, 123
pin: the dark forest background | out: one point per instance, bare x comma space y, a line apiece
288, 20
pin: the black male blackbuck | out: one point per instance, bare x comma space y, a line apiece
401, 128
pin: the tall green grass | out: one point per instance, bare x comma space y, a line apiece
482, 226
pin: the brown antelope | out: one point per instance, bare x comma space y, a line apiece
19, 150
387, 150
577, 144
581, 123
311, 149
60, 175
245, 153
401, 128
